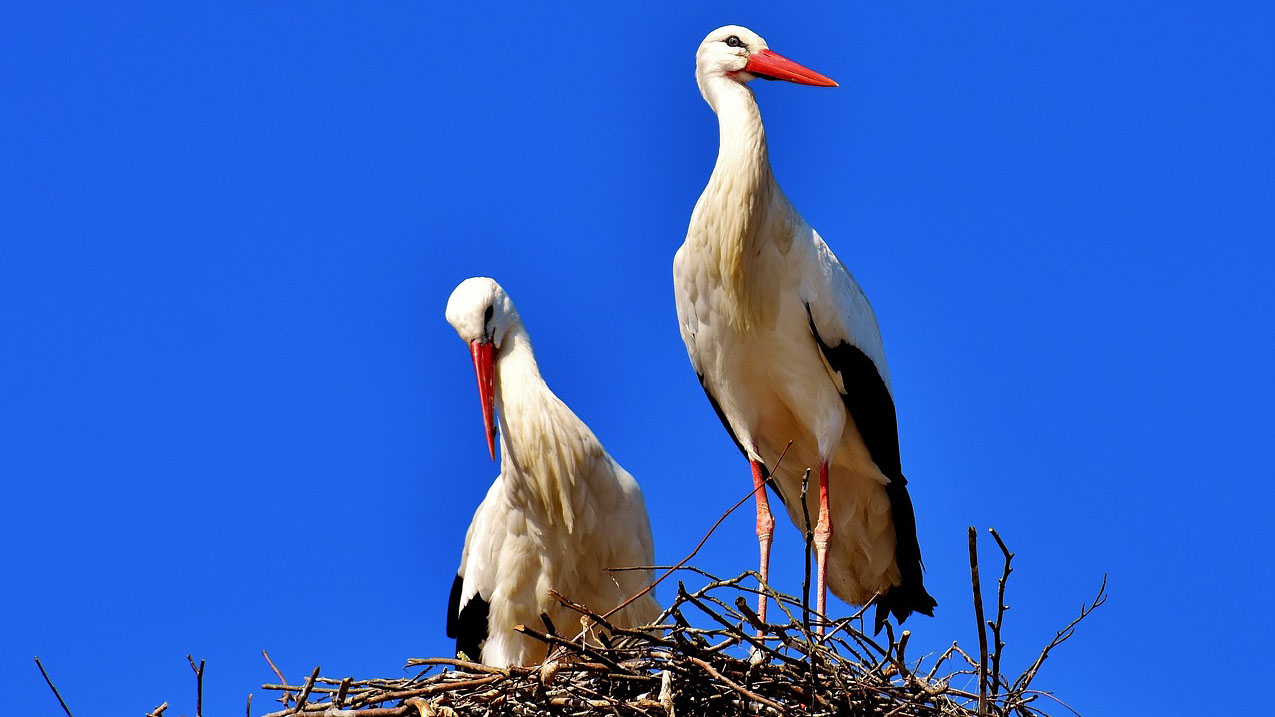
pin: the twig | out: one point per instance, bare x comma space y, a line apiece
1068, 707
578, 646
56, 694
342, 691
465, 665
758, 644
305, 691
805, 581
159, 711
548, 623
199, 685
810, 539
666, 693
899, 660
286, 694
997, 643
982, 629
738, 687
1022, 682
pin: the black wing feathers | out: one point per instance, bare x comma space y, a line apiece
870, 406
468, 623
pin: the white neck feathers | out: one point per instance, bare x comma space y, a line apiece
545, 450
742, 206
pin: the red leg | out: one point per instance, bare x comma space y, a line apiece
823, 533
765, 529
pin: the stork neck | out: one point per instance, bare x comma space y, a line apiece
543, 446
518, 380
743, 160
742, 207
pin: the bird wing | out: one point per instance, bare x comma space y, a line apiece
839, 311
686, 297
468, 605
845, 329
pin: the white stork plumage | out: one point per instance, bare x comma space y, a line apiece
560, 512
787, 348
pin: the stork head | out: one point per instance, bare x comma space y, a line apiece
482, 314
740, 55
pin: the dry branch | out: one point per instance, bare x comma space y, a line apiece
199, 685
997, 643
56, 694
978, 618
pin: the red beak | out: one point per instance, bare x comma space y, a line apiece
485, 368
773, 66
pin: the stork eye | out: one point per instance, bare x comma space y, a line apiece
734, 41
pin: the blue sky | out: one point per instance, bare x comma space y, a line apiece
235, 419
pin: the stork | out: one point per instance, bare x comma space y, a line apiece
560, 512
787, 347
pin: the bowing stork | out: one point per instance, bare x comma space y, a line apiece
560, 512
787, 348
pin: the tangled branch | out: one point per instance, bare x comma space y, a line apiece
695, 660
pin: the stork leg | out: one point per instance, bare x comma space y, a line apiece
765, 530
823, 534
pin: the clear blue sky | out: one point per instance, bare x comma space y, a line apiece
234, 417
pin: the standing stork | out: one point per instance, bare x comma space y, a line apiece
560, 512
787, 348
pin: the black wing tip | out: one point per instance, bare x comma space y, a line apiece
453, 606
467, 624
901, 601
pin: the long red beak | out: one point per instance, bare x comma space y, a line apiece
773, 66
485, 368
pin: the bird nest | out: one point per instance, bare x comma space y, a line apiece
708, 654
